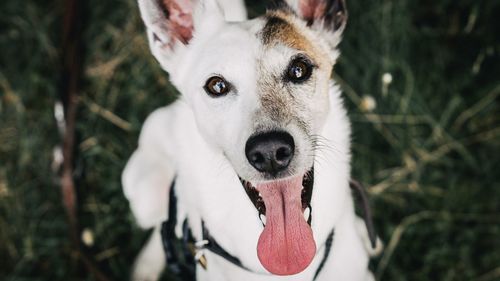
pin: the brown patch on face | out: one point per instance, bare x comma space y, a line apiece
280, 29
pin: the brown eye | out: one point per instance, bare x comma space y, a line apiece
216, 86
299, 70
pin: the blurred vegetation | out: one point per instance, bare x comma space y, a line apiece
421, 81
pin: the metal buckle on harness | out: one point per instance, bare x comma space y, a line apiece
197, 249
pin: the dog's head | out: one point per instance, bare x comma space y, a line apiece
259, 93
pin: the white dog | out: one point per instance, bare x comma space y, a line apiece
258, 145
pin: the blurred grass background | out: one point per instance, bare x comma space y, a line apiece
421, 81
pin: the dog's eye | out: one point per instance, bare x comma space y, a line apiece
217, 86
299, 70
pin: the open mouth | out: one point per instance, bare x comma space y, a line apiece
306, 194
286, 245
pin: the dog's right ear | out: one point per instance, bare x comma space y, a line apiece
328, 17
171, 24
331, 14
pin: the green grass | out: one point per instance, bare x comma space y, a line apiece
429, 151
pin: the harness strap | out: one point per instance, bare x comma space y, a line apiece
328, 248
215, 248
184, 266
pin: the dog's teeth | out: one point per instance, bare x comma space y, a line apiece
262, 218
307, 213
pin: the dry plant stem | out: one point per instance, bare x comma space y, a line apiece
107, 115
71, 64
71, 74
424, 157
491, 275
476, 108
493, 218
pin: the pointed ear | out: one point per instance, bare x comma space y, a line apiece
169, 26
328, 16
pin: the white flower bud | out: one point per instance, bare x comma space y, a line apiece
368, 103
387, 78
87, 237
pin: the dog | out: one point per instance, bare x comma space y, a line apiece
252, 162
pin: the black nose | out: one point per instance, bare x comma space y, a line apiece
270, 152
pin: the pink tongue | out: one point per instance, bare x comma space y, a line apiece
286, 246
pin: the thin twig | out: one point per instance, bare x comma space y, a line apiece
428, 215
476, 108
425, 157
491, 275
107, 115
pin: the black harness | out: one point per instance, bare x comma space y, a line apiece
183, 254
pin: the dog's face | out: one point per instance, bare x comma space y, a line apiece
259, 93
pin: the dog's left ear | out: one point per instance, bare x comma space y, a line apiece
326, 16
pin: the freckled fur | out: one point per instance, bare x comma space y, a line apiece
278, 101
275, 98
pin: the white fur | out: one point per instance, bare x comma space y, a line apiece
200, 140
150, 262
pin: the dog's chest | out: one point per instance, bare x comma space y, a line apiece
224, 209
